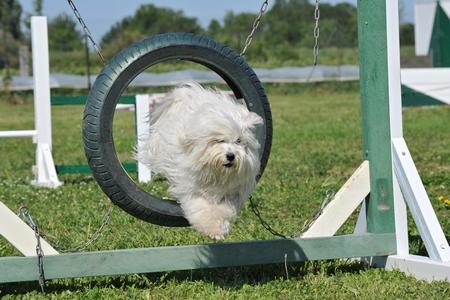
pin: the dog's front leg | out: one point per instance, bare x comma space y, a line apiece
210, 218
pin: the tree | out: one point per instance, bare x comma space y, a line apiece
148, 20
407, 34
10, 14
214, 28
10, 33
37, 11
37, 6
63, 34
289, 21
292, 22
237, 27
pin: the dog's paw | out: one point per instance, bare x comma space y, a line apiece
220, 231
211, 219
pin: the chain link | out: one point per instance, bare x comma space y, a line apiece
264, 222
94, 237
249, 38
316, 32
329, 195
25, 214
86, 30
40, 256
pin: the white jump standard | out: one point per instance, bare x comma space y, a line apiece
45, 170
45, 173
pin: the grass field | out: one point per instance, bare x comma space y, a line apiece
316, 146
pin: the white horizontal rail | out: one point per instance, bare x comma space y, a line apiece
18, 133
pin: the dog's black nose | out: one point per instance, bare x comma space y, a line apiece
230, 156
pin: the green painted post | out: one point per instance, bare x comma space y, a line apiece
440, 39
372, 36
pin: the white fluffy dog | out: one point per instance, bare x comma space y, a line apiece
203, 141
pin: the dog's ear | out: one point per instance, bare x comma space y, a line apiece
186, 143
253, 120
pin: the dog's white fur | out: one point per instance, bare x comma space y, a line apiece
193, 136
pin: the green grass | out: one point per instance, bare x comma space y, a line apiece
316, 146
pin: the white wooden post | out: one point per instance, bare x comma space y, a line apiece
395, 117
45, 169
142, 129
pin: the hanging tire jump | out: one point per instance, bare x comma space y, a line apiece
115, 78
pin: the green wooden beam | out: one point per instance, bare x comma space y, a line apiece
411, 97
81, 100
84, 169
163, 259
372, 38
440, 39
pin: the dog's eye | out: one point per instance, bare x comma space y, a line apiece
238, 141
220, 141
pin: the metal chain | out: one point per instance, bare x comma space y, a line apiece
329, 195
316, 32
249, 38
264, 222
86, 30
24, 213
94, 237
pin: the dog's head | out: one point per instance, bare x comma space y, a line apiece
220, 142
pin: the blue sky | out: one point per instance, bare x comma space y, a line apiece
101, 14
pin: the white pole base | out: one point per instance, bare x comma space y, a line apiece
45, 172
422, 268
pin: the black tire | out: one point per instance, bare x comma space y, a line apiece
116, 76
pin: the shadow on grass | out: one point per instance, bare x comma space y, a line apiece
210, 256
231, 278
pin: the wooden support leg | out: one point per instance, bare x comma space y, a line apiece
346, 200
19, 234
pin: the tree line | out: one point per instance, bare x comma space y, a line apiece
287, 26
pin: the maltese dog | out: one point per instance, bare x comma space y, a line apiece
203, 141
